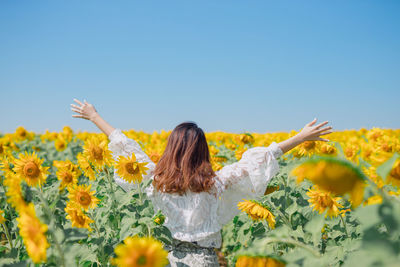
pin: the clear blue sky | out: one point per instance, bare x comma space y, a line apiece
258, 66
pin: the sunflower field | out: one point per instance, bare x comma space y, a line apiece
332, 203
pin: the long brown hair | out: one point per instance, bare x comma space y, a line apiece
185, 163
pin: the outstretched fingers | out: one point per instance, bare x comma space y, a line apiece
78, 116
321, 124
76, 110
312, 122
78, 102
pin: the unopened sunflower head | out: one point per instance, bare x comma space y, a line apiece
335, 175
257, 211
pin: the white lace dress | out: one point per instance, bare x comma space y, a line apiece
200, 216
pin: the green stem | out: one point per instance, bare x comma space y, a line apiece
140, 194
103, 260
8, 235
291, 242
49, 214
114, 200
344, 225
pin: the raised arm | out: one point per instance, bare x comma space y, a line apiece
308, 133
88, 112
119, 145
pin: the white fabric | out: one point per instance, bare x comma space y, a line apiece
200, 216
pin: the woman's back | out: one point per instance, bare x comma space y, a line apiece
200, 216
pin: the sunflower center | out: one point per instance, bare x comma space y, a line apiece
67, 177
80, 219
84, 198
31, 170
141, 260
1, 149
97, 153
131, 168
309, 144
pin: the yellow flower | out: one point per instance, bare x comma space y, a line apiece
67, 177
77, 217
377, 199
257, 211
33, 233
96, 151
60, 144
130, 170
5, 165
2, 219
14, 191
244, 138
327, 149
258, 261
334, 175
307, 148
322, 200
22, 134
84, 164
29, 168
140, 251
239, 152
81, 195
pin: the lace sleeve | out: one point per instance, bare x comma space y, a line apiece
247, 178
121, 145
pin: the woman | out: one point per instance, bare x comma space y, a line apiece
196, 201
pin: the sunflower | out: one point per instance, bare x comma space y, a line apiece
87, 169
257, 211
335, 175
129, 169
67, 177
306, 149
77, 217
60, 144
81, 195
29, 168
140, 251
96, 151
14, 191
21, 133
33, 233
257, 261
322, 200
2, 219
5, 164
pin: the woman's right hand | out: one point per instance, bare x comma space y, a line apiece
313, 133
84, 110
